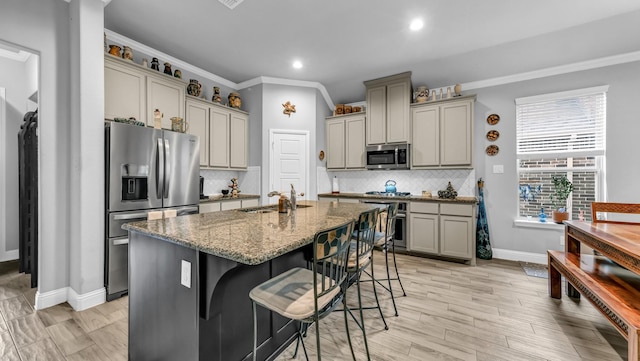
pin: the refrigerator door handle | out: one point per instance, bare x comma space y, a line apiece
167, 170
119, 217
188, 210
160, 169
121, 241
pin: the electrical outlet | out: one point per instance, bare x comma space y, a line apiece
185, 276
498, 168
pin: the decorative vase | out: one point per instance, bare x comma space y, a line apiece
457, 89
177, 73
559, 217
194, 88
155, 64
216, 95
145, 62
422, 95
114, 50
127, 53
167, 69
234, 100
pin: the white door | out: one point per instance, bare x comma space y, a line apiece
289, 162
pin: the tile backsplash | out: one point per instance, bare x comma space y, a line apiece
414, 181
217, 180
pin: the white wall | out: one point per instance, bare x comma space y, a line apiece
13, 78
623, 128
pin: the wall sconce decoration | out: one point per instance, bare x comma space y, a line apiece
288, 108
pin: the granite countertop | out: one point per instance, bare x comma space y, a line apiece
222, 198
250, 238
472, 200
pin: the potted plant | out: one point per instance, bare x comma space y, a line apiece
562, 188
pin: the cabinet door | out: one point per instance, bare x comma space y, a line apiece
198, 125
425, 146
124, 92
335, 144
354, 142
218, 138
166, 95
397, 117
238, 140
456, 236
423, 236
455, 134
377, 115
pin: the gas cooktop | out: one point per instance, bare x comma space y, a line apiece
389, 194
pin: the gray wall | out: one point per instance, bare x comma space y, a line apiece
43, 28
13, 78
252, 97
623, 128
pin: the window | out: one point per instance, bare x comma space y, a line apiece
561, 134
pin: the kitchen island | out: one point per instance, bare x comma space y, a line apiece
190, 276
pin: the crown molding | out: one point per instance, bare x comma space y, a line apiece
556, 70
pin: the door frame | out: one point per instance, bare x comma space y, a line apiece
272, 134
3, 194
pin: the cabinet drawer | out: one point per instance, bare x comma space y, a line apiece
227, 205
250, 203
457, 209
210, 207
424, 207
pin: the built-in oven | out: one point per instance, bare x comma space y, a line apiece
401, 228
388, 156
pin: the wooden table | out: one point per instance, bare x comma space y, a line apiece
610, 281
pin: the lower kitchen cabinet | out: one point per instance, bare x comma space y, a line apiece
445, 230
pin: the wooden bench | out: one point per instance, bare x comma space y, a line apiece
610, 280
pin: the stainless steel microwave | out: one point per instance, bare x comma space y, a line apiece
388, 156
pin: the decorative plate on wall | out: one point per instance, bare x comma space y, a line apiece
492, 150
493, 135
493, 119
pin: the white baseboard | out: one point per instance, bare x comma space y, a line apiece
511, 255
67, 294
10, 256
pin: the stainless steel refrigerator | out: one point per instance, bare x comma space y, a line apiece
146, 170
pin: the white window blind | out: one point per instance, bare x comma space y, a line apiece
562, 124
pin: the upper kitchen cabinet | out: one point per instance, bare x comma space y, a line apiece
223, 133
166, 94
442, 135
346, 141
388, 113
124, 89
198, 125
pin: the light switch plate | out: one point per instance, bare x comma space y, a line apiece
498, 168
185, 276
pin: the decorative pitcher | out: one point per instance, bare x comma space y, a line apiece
194, 88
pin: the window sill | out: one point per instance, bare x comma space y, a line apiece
535, 223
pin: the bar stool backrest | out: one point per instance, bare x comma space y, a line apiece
365, 234
392, 213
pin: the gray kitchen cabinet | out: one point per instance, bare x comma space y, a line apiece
442, 135
388, 113
166, 94
223, 133
209, 207
228, 205
346, 142
198, 125
445, 230
124, 89
423, 235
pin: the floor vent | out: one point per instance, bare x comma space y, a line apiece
231, 4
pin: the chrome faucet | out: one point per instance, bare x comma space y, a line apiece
293, 198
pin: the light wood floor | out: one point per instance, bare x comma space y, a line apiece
493, 311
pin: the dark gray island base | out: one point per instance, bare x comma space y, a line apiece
225, 254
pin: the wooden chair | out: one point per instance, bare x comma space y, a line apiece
606, 207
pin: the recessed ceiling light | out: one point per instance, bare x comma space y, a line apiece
416, 25
297, 64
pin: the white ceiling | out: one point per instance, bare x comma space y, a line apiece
344, 42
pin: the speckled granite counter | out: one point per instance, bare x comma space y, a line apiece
190, 277
249, 238
222, 198
409, 198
